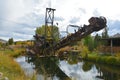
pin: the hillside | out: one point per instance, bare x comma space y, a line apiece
3, 41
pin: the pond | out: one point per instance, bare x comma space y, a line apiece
53, 68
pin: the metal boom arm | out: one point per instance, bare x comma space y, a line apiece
95, 24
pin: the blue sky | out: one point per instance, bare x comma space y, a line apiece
19, 18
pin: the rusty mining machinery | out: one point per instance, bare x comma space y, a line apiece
44, 45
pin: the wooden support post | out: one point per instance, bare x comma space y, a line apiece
111, 46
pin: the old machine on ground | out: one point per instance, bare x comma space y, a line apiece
45, 45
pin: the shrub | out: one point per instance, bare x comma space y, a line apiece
118, 62
111, 60
117, 54
103, 59
85, 52
98, 59
91, 58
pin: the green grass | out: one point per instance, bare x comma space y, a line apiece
110, 60
14, 53
9, 67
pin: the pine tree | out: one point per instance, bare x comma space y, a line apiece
10, 41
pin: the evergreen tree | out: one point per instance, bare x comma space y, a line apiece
105, 33
97, 41
10, 41
89, 42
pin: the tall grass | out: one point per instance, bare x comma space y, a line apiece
9, 67
14, 52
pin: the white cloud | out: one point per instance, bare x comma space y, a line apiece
17, 15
